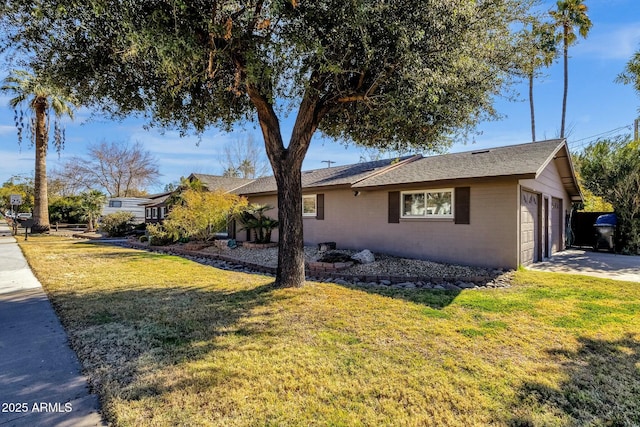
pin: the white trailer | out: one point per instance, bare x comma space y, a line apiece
126, 204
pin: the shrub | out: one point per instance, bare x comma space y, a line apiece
118, 224
202, 214
159, 236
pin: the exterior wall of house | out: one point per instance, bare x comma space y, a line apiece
555, 205
127, 204
155, 214
362, 222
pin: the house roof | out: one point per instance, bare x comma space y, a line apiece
346, 175
217, 182
523, 161
156, 199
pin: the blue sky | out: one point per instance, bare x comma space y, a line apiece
596, 107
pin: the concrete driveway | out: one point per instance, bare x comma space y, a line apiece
589, 263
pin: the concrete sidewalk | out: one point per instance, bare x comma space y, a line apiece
40, 379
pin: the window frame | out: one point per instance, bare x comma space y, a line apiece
147, 212
154, 213
115, 203
315, 205
425, 192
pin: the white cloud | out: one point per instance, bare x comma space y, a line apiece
7, 129
610, 42
16, 162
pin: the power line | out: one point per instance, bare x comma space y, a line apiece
574, 144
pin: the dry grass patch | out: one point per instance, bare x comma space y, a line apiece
167, 341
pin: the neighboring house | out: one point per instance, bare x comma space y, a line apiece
156, 209
497, 207
126, 204
217, 182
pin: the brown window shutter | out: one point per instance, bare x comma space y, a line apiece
320, 206
462, 197
394, 207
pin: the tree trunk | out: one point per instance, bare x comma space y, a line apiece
41, 200
287, 168
531, 106
290, 271
566, 79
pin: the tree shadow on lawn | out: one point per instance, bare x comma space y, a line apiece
434, 298
602, 387
121, 336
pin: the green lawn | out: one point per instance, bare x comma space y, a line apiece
168, 342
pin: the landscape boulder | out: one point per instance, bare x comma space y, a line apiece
364, 257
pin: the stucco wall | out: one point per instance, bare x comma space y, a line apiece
362, 223
549, 185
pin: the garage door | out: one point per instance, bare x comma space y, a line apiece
556, 225
529, 227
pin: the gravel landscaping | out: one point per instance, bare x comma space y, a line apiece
385, 270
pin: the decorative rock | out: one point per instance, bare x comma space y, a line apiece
465, 285
364, 257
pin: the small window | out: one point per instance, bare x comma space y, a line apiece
148, 213
427, 204
154, 213
163, 212
115, 203
309, 205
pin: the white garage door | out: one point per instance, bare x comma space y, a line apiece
529, 227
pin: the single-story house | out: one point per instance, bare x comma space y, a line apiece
156, 208
496, 207
126, 204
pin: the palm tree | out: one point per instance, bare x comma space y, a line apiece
540, 48
569, 15
43, 99
91, 204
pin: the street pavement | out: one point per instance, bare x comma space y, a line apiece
40, 379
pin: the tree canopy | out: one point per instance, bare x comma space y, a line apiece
631, 73
377, 73
611, 169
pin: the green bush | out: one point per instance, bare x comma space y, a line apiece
118, 224
158, 236
66, 210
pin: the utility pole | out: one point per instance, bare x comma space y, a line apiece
635, 129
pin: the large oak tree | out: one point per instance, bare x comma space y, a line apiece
378, 73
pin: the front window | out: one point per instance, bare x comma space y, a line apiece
427, 204
154, 213
309, 205
115, 203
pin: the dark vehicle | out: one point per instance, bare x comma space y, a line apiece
605, 232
